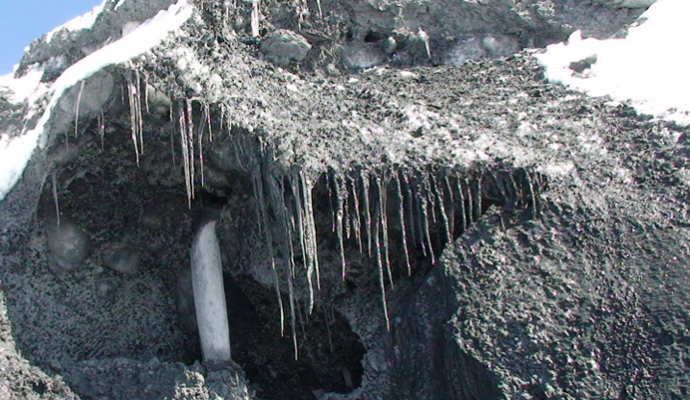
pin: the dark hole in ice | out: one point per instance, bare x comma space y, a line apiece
374, 36
328, 354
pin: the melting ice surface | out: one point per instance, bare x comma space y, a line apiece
16, 152
649, 67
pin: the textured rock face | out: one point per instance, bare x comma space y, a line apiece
442, 232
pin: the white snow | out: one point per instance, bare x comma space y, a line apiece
15, 153
649, 67
26, 88
84, 21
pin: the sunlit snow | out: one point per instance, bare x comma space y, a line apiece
84, 21
649, 67
15, 153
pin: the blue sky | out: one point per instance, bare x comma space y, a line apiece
21, 21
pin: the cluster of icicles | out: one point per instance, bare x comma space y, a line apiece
432, 206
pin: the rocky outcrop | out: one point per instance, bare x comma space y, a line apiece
441, 232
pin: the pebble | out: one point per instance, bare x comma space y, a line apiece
283, 47
121, 258
68, 245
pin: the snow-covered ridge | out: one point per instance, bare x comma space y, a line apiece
648, 67
16, 152
84, 21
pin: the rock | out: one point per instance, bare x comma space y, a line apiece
186, 312
362, 55
627, 3
283, 47
68, 245
121, 258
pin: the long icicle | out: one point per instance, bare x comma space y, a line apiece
477, 197
260, 196
366, 208
311, 225
190, 142
200, 137
76, 111
470, 201
278, 195
101, 128
449, 205
424, 206
461, 205
441, 202
134, 123
298, 199
382, 192
401, 217
182, 119
171, 113
536, 184
409, 205
417, 208
340, 199
356, 219
379, 264
255, 18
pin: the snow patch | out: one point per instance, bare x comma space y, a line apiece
648, 67
26, 88
16, 152
84, 21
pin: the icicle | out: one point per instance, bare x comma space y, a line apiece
424, 206
339, 219
356, 221
255, 18
200, 136
302, 199
470, 202
477, 198
190, 143
259, 195
449, 206
310, 227
76, 111
379, 265
172, 135
382, 194
55, 199
440, 200
430, 198
101, 127
298, 308
464, 222
409, 206
291, 299
146, 94
185, 153
136, 120
367, 210
532, 193
277, 196
137, 110
208, 122
418, 223
401, 217
345, 197
328, 327
222, 116
331, 208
